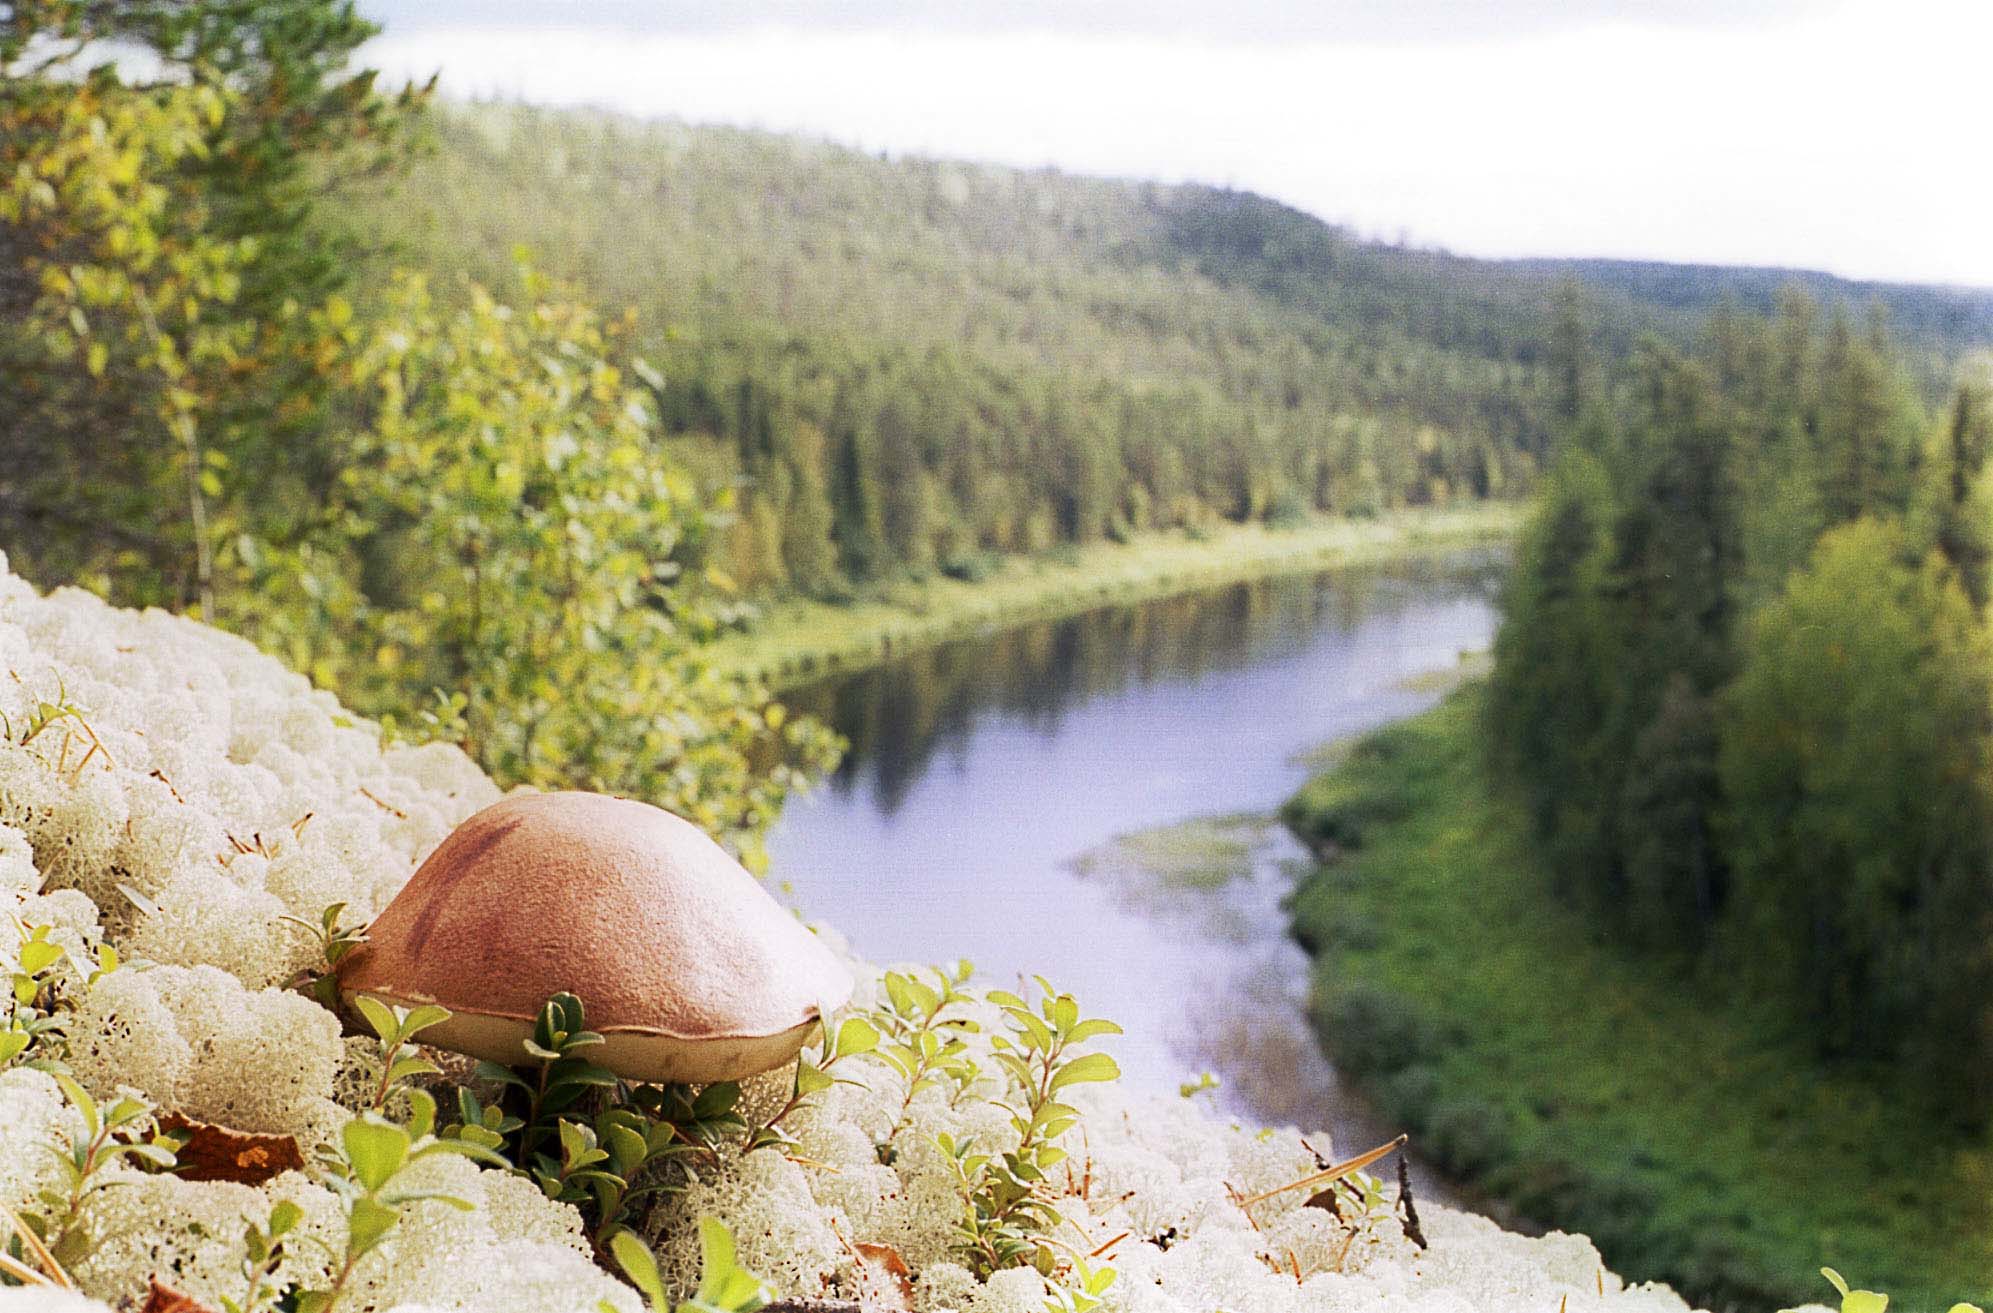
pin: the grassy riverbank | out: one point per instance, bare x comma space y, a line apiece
1690, 1134
794, 641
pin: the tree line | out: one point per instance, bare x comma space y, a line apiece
908, 366
1743, 683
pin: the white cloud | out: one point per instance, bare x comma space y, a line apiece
1852, 140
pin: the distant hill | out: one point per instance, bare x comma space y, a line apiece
1932, 316
910, 361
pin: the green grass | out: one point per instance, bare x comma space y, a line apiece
1201, 855
1689, 1132
794, 641
1186, 873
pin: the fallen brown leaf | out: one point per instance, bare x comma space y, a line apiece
216, 1153
884, 1279
165, 1299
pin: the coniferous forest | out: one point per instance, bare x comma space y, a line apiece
1742, 680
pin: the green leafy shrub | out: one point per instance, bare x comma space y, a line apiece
1465, 1135
1007, 1220
1374, 1031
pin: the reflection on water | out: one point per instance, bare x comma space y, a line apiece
982, 773
899, 715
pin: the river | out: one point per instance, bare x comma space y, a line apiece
982, 810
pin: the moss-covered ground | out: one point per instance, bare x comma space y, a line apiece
1692, 1133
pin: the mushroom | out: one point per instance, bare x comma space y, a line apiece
687, 968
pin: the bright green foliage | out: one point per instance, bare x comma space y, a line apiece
1007, 1218
123, 1131
523, 539
396, 1029
1868, 1301
131, 284
362, 1170
1855, 1301
610, 1156
36, 1000
852, 1037
1856, 759
459, 516
264, 1248
724, 1285
158, 237
1083, 1290
920, 1041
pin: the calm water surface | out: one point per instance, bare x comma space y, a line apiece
981, 772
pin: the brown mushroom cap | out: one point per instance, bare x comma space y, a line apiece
684, 964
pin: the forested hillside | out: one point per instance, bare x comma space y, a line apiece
908, 363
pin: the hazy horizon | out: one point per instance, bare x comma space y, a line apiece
1664, 132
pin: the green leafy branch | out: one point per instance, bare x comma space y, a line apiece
396, 1029
34, 1033
320, 982
362, 1171
264, 1250
922, 1043
724, 1285
559, 1076
610, 1163
125, 1130
1007, 1217
853, 1037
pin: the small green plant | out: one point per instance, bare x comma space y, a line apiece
1869, 1301
920, 1042
559, 1076
396, 1028
1083, 1289
33, 1034
77, 736
1206, 1083
125, 1130
609, 1160
724, 1285
648, 1135
488, 1126
1007, 1216
320, 982
612, 1167
362, 1169
263, 1250
854, 1036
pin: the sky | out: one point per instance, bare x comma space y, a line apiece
1853, 136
